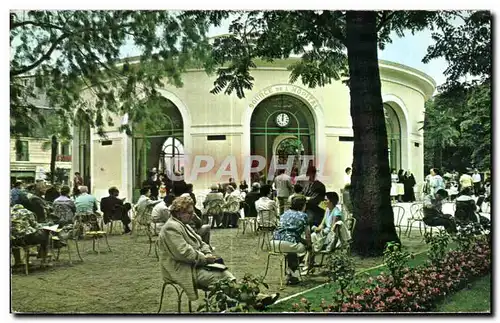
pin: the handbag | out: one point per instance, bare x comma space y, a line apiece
215, 267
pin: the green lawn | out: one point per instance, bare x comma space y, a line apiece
475, 298
128, 281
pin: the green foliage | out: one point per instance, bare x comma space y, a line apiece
396, 261
318, 37
226, 295
341, 270
72, 60
438, 246
465, 43
457, 128
468, 236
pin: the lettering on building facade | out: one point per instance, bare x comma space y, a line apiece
284, 89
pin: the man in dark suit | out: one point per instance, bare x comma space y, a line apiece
113, 208
250, 199
315, 192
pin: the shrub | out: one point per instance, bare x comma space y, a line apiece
341, 270
438, 246
396, 261
226, 295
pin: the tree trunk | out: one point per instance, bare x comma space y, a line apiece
371, 181
53, 154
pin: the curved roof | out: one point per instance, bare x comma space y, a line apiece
426, 85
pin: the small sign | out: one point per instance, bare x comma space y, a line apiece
106, 142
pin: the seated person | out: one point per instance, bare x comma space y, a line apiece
297, 190
64, 207
144, 201
231, 207
433, 214
244, 186
161, 213
16, 193
264, 203
214, 197
203, 230
114, 208
25, 230
85, 203
52, 193
184, 256
189, 190
323, 235
250, 200
466, 208
288, 237
34, 202
86, 207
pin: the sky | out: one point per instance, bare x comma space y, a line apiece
408, 50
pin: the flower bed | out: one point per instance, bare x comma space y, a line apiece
419, 289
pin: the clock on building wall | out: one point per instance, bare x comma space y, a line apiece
282, 119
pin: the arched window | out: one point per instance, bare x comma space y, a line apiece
172, 155
393, 127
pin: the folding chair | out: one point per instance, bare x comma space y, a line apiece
399, 213
245, 221
416, 215
86, 225
267, 224
179, 291
276, 252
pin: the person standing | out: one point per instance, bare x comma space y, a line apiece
409, 182
436, 181
284, 189
77, 182
476, 180
394, 185
347, 176
154, 184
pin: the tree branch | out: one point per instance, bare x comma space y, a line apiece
45, 56
384, 20
34, 23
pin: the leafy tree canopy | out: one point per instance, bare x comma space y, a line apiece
57, 54
318, 37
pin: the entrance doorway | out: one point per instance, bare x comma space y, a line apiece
281, 125
158, 140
